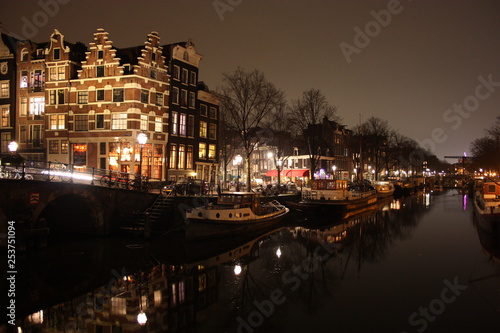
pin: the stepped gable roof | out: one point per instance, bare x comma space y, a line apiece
129, 55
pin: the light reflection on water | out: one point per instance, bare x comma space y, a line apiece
375, 271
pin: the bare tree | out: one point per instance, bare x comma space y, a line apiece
248, 98
307, 112
375, 134
486, 150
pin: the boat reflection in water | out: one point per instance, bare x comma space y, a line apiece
224, 285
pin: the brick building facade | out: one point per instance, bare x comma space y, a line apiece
86, 106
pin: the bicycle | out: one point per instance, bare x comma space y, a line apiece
110, 181
60, 170
140, 184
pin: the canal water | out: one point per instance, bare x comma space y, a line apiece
416, 264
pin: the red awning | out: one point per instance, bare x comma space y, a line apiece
288, 173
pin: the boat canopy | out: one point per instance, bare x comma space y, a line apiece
236, 198
329, 184
491, 190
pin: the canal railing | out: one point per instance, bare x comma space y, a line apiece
70, 173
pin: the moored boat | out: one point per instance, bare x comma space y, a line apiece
234, 212
383, 188
487, 206
335, 195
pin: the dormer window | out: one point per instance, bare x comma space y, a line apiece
24, 55
57, 54
185, 56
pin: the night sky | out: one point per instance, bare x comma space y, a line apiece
430, 68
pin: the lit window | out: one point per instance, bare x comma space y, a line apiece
158, 125
203, 129
57, 121
24, 79
4, 89
182, 124
189, 157
54, 147
182, 156
24, 106
144, 122
211, 151
173, 157
174, 123
159, 99
83, 97
5, 116
37, 106
119, 121
202, 150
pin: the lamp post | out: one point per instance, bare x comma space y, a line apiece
237, 161
12, 146
334, 168
141, 139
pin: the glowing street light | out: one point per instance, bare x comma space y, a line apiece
141, 139
13, 147
142, 318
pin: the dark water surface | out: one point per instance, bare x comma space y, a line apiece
418, 264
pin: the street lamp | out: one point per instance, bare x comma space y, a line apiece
237, 162
334, 168
13, 147
141, 139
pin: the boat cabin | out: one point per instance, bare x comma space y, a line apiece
491, 190
329, 184
240, 199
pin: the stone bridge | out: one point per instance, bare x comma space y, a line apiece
68, 207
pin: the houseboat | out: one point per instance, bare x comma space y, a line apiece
335, 195
233, 212
487, 206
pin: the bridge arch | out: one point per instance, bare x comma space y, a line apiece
71, 208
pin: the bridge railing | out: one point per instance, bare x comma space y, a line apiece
70, 173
